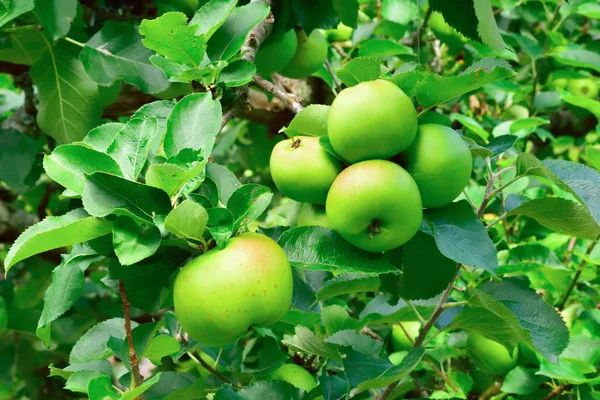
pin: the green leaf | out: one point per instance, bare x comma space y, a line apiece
11, 9
486, 26
106, 194
589, 10
306, 342
367, 372
460, 16
93, 344
224, 179
521, 380
273, 389
130, 147
212, 15
175, 385
335, 318
69, 100
193, 123
322, 249
357, 341
314, 14
530, 257
18, 155
383, 48
407, 77
500, 144
568, 370
64, 290
560, 215
470, 124
436, 89
133, 241
237, 73
401, 12
591, 105
523, 127
170, 36
79, 381
248, 202
55, 16
270, 358
68, 164
548, 331
348, 11
579, 58
53, 232
136, 393
171, 177
161, 346
102, 136
583, 182
187, 221
310, 121
101, 388
220, 225
230, 37
425, 271
359, 69
3, 316
27, 45
457, 223
348, 283
592, 156
117, 47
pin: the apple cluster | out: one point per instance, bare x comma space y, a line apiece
390, 168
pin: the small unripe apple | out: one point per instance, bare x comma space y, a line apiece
515, 112
583, 87
397, 357
220, 294
295, 375
276, 53
312, 215
375, 205
303, 170
310, 55
400, 341
490, 356
339, 34
372, 120
440, 162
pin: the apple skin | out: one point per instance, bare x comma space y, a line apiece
490, 356
275, 54
583, 87
339, 34
399, 339
372, 120
295, 375
311, 215
310, 55
440, 162
515, 112
375, 205
303, 170
220, 294
397, 357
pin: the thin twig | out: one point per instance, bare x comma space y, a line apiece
337, 47
419, 32
213, 370
582, 265
570, 248
419, 316
289, 100
336, 81
134, 362
557, 391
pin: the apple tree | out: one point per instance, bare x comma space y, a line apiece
299, 199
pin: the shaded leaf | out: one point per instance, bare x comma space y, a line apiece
133, 241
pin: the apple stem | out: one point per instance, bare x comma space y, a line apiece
296, 143
374, 227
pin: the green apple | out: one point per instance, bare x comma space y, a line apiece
559, 79
583, 87
490, 356
303, 170
400, 341
440, 162
312, 215
276, 53
220, 294
375, 205
372, 120
397, 357
515, 112
310, 55
339, 34
295, 375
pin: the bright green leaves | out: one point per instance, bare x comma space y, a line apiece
134, 241
117, 47
247, 203
130, 147
172, 175
17, 159
69, 100
211, 16
187, 221
170, 36
193, 123
310, 121
487, 28
11, 9
579, 58
275, 389
53, 232
360, 69
93, 345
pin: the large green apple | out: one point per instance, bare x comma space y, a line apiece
583, 87
440, 163
372, 120
303, 170
400, 341
220, 294
312, 215
276, 53
490, 356
375, 205
295, 375
515, 112
310, 55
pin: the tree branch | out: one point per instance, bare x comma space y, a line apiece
134, 362
289, 100
582, 265
213, 370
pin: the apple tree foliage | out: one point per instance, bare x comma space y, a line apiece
132, 131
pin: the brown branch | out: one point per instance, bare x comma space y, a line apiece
557, 391
289, 100
582, 265
134, 362
214, 371
336, 80
13, 69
